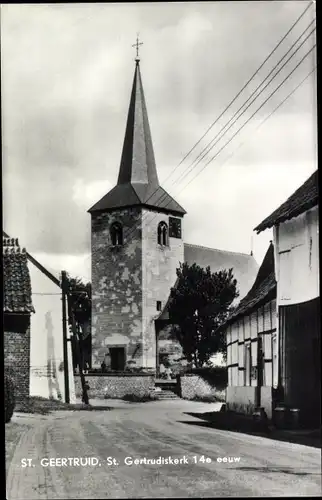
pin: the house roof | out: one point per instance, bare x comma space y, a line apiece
35, 262
138, 182
263, 289
16, 278
304, 198
244, 267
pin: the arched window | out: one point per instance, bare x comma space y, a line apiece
162, 233
116, 234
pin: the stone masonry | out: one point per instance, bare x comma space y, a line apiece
117, 286
159, 266
116, 386
128, 281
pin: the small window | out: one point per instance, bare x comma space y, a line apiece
159, 305
162, 234
116, 234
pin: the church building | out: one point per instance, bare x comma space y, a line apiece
137, 245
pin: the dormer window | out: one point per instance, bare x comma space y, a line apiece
116, 234
162, 234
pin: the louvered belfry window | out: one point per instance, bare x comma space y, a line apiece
116, 234
174, 227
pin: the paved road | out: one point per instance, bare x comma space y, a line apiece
148, 431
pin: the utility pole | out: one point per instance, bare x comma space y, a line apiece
79, 340
65, 350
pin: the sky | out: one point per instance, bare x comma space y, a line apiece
67, 72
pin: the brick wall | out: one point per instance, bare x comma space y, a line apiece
117, 286
195, 386
17, 354
115, 386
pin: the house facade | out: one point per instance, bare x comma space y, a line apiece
45, 344
252, 350
296, 243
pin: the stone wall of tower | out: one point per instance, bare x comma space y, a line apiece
159, 275
117, 286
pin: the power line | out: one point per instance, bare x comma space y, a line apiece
247, 121
192, 166
131, 231
271, 95
233, 100
246, 84
270, 114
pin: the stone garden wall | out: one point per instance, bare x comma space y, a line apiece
116, 386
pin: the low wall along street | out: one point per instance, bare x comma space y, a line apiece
116, 386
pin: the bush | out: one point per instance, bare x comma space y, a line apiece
9, 398
207, 398
210, 398
133, 398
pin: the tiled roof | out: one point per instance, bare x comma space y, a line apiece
263, 288
50, 273
244, 266
16, 278
138, 182
304, 198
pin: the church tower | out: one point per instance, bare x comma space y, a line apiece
137, 244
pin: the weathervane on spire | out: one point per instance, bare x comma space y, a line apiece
136, 45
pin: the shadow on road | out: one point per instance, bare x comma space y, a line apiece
42, 406
309, 439
279, 471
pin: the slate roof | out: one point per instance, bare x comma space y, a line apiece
244, 267
304, 198
131, 195
263, 289
138, 182
16, 278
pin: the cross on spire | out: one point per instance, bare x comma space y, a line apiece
136, 45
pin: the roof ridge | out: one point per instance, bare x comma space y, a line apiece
10, 242
134, 190
302, 199
219, 250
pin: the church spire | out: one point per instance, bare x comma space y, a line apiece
137, 161
138, 183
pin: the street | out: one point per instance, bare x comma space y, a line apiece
144, 432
